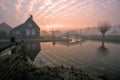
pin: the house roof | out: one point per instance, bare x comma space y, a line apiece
29, 19
5, 27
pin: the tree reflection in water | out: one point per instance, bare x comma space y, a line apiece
102, 50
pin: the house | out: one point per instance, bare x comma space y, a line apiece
28, 30
4, 30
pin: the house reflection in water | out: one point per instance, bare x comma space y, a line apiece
32, 50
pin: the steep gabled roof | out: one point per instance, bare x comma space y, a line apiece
17, 26
29, 19
5, 27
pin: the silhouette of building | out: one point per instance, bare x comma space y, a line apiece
4, 30
28, 30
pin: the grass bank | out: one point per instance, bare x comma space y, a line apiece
108, 38
26, 71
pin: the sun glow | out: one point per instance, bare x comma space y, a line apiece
53, 27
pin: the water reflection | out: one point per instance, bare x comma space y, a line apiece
32, 50
72, 43
67, 43
102, 50
53, 42
85, 56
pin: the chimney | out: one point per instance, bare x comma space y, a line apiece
31, 16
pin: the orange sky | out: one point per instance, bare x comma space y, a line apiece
60, 14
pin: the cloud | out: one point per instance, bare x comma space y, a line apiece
18, 5
3, 7
33, 4
48, 12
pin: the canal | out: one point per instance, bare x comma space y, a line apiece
90, 56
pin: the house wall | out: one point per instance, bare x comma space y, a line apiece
3, 35
26, 31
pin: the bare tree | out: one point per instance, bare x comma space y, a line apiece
103, 28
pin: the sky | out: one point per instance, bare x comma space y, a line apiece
60, 14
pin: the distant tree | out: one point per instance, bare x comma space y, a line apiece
103, 28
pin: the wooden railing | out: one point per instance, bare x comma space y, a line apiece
8, 66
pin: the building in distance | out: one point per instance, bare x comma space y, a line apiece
28, 30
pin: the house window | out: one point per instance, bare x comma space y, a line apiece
17, 32
30, 24
27, 32
33, 32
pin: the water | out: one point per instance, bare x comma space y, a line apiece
91, 56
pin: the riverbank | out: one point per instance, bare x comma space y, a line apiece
40, 40
108, 38
30, 72
25, 71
